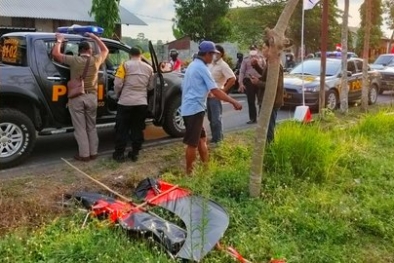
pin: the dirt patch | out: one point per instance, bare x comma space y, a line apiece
35, 197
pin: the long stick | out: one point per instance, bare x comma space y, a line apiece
155, 197
98, 182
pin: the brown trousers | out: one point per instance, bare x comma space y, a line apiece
83, 110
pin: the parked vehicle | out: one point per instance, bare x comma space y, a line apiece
33, 93
382, 61
336, 54
311, 68
385, 65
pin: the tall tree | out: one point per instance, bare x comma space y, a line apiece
276, 41
263, 13
313, 29
248, 21
203, 19
106, 15
323, 60
368, 26
389, 10
344, 44
376, 23
176, 32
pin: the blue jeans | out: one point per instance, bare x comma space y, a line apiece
215, 110
271, 125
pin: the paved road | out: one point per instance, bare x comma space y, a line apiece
49, 149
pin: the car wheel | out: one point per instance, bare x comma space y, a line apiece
332, 99
373, 94
173, 121
17, 137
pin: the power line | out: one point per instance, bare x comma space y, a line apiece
154, 17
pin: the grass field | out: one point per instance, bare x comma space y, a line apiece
327, 197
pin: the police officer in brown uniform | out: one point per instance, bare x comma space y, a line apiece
245, 74
83, 108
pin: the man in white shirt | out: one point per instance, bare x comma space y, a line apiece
225, 79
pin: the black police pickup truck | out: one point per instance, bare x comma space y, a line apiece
33, 92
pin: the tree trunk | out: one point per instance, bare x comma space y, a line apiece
367, 34
323, 49
277, 41
344, 39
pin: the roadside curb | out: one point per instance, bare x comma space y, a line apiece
15, 173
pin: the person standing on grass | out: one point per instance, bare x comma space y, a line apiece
225, 79
196, 85
133, 79
260, 83
83, 108
245, 85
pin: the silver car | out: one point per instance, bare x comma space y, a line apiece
311, 68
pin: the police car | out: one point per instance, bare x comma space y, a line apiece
307, 75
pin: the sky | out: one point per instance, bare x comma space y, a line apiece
158, 14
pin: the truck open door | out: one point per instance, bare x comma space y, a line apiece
158, 94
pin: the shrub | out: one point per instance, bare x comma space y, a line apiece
381, 123
301, 151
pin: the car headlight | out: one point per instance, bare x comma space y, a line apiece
311, 89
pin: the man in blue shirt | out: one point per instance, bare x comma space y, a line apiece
196, 85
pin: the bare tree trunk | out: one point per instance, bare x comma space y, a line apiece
323, 49
277, 41
367, 34
344, 38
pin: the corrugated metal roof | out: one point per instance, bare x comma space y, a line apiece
74, 10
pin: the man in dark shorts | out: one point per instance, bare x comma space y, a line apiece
196, 85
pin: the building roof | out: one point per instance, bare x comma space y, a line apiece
353, 29
73, 10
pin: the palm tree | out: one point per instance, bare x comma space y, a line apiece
277, 40
344, 41
365, 88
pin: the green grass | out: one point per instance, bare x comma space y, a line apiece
327, 197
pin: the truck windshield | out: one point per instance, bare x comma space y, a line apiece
384, 60
13, 50
312, 67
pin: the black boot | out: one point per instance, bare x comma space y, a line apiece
133, 155
118, 157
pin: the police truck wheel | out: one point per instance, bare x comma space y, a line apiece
331, 99
373, 94
17, 137
173, 122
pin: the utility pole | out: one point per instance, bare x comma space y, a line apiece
323, 49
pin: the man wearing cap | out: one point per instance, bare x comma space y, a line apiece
225, 79
245, 85
83, 109
132, 81
196, 85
